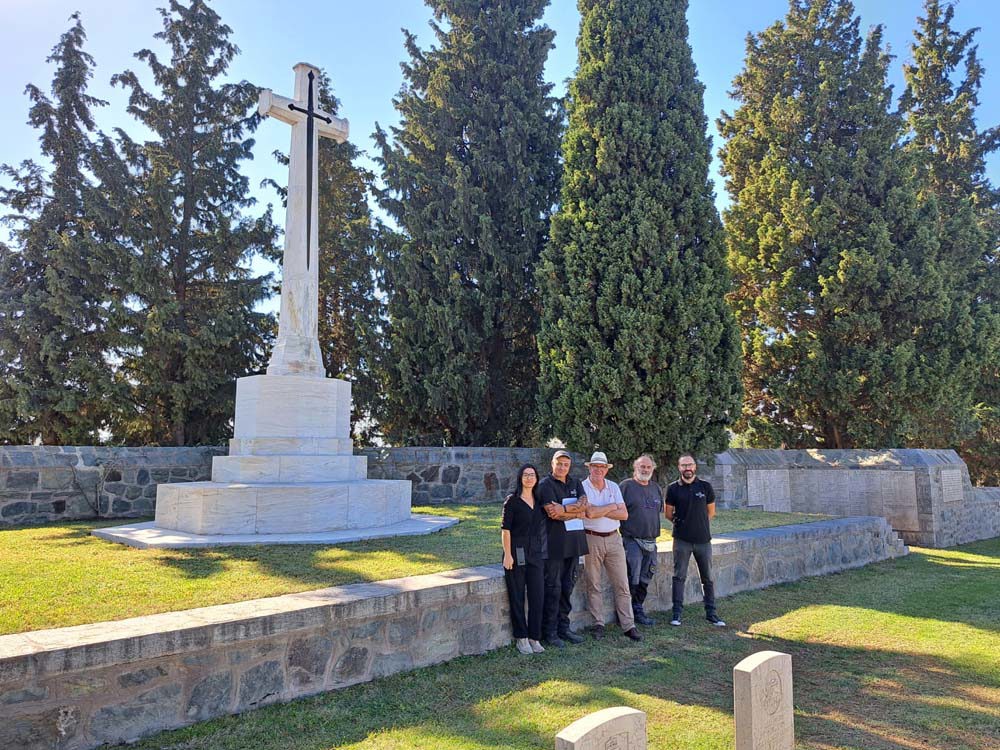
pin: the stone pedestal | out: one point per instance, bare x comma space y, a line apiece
290, 477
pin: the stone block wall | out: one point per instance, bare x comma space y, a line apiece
57, 483
459, 475
76, 688
925, 494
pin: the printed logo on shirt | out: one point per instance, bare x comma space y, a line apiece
700, 495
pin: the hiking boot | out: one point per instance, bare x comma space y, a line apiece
555, 641
597, 632
641, 617
633, 634
572, 637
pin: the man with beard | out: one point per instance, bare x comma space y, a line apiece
644, 500
691, 507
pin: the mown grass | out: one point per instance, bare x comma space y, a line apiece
901, 655
59, 575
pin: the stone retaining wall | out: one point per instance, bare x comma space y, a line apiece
458, 475
75, 688
926, 495
59, 483
53, 483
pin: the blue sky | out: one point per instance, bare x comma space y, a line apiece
360, 46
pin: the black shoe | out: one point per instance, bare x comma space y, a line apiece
642, 618
555, 641
634, 634
715, 620
675, 619
597, 632
572, 637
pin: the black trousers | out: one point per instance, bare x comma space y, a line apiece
703, 557
527, 579
560, 578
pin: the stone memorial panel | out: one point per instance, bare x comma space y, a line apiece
951, 485
762, 701
619, 728
899, 500
866, 492
769, 488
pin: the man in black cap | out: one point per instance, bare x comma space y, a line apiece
565, 505
690, 507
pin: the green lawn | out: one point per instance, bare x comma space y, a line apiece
58, 575
901, 655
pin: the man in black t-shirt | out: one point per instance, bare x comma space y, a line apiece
565, 504
643, 500
691, 507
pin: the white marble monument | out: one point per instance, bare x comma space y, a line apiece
291, 475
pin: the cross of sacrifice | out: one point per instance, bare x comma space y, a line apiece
296, 351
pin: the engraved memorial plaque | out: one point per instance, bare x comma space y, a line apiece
951, 485
769, 488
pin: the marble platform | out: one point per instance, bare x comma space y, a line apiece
291, 477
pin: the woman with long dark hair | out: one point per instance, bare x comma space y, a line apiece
523, 536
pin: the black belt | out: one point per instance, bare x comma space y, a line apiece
600, 533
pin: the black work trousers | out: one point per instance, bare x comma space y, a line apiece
526, 582
560, 578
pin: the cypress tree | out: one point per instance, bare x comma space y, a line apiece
638, 348
852, 334
351, 310
55, 380
949, 154
191, 326
470, 179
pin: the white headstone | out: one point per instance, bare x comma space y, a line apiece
619, 728
762, 700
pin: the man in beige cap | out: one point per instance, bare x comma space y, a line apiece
605, 512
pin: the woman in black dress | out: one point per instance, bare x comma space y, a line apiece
523, 535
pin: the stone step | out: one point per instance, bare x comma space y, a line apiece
285, 469
300, 446
257, 508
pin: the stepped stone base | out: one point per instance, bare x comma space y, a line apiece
149, 536
267, 508
291, 478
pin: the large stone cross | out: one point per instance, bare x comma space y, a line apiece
297, 349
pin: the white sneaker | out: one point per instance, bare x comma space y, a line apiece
524, 646
536, 647
675, 621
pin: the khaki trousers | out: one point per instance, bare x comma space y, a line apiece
606, 553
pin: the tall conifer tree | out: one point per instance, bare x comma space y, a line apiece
852, 333
55, 380
191, 325
638, 348
949, 152
470, 179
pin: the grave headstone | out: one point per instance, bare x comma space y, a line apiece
618, 728
762, 700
